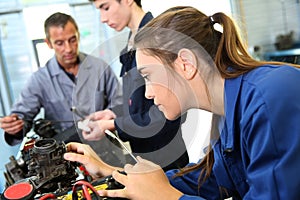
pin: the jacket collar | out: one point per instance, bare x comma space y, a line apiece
84, 70
127, 58
232, 91
148, 16
55, 70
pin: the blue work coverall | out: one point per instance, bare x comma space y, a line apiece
256, 155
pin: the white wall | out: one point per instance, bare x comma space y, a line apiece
207, 7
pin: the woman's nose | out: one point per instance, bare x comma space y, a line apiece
149, 92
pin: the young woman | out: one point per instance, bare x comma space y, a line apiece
255, 140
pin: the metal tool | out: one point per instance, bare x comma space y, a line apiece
108, 132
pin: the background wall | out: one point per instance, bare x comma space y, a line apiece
158, 6
263, 21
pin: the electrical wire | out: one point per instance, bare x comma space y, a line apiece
85, 190
48, 196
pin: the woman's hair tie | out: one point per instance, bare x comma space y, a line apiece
211, 20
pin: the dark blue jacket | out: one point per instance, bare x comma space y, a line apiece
257, 154
150, 134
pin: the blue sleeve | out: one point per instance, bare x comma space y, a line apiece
189, 185
189, 197
29, 101
27, 107
270, 131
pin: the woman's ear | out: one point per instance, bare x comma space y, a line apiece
188, 63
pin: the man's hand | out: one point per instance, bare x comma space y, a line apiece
97, 129
102, 115
11, 124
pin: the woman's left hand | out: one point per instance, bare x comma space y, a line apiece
144, 180
84, 154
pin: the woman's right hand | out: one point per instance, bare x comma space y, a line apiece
144, 180
85, 155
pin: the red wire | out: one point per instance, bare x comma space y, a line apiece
48, 196
85, 186
86, 192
